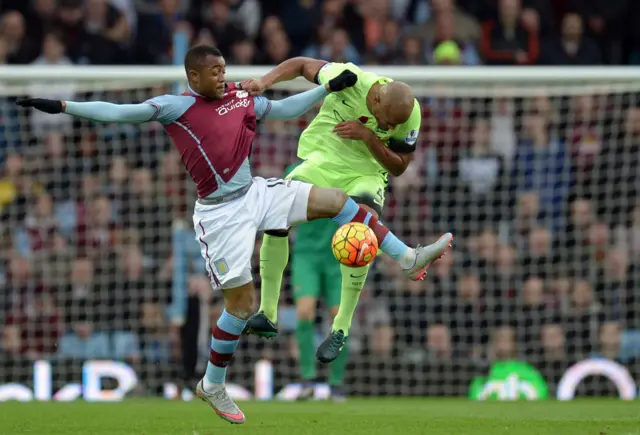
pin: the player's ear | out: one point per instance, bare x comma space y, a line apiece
193, 76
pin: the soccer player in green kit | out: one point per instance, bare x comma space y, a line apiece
357, 139
315, 274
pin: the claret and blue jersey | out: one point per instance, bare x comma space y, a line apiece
213, 137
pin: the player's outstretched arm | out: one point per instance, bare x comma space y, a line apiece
94, 110
296, 105
290, 69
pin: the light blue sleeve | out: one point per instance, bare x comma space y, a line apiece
108, 112
170, 107
165, 109
262, 106
290, 107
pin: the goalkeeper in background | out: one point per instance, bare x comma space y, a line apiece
315, 273
357, 139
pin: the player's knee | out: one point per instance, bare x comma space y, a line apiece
241, 301
325, 202
306, 309
277, 233
336, 199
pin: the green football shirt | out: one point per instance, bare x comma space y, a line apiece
320, 146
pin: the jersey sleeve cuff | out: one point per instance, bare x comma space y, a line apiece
157, 107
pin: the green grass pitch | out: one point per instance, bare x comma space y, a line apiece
387, 416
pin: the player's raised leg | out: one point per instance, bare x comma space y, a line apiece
335, 204
414, 262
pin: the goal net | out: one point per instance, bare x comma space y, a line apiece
533, 170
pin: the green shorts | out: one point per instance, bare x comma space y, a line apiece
316, 276
371, 187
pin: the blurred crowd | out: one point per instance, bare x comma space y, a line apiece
540, 192
403, 32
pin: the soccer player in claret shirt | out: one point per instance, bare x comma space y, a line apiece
358, 138
213, 125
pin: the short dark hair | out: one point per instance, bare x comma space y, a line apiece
196, 54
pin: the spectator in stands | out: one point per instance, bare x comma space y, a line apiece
438, 344
155, 26
10, 343
277, 49
412, 52
217, 20
83, 343
53, 51
243, 53
106, 34
542, 164
560, 292
337, 49
615, 284
506, 41
503, 135
174, 183
554, 357
95, 230
446, 53
609, 340
581, 217
606, 21
38, 319
532, 314
573, 47
40, 17
54, 163
527, 217
449, 24
149, 213
617, 166
12, 169
82, 293
21, 48
388, 48
117, 187
583, 320
373, 327
466, 315
503, 345
41, 228
502, 285
553, 343
539, 257
482, 171
156, 346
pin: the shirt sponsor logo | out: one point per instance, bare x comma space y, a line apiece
232, 105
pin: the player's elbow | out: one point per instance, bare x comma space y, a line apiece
396, 171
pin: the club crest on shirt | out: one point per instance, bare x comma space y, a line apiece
221, 266
242, 94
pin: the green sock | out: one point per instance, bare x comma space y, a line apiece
352, 284
338, 366
306, 347
274, 256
